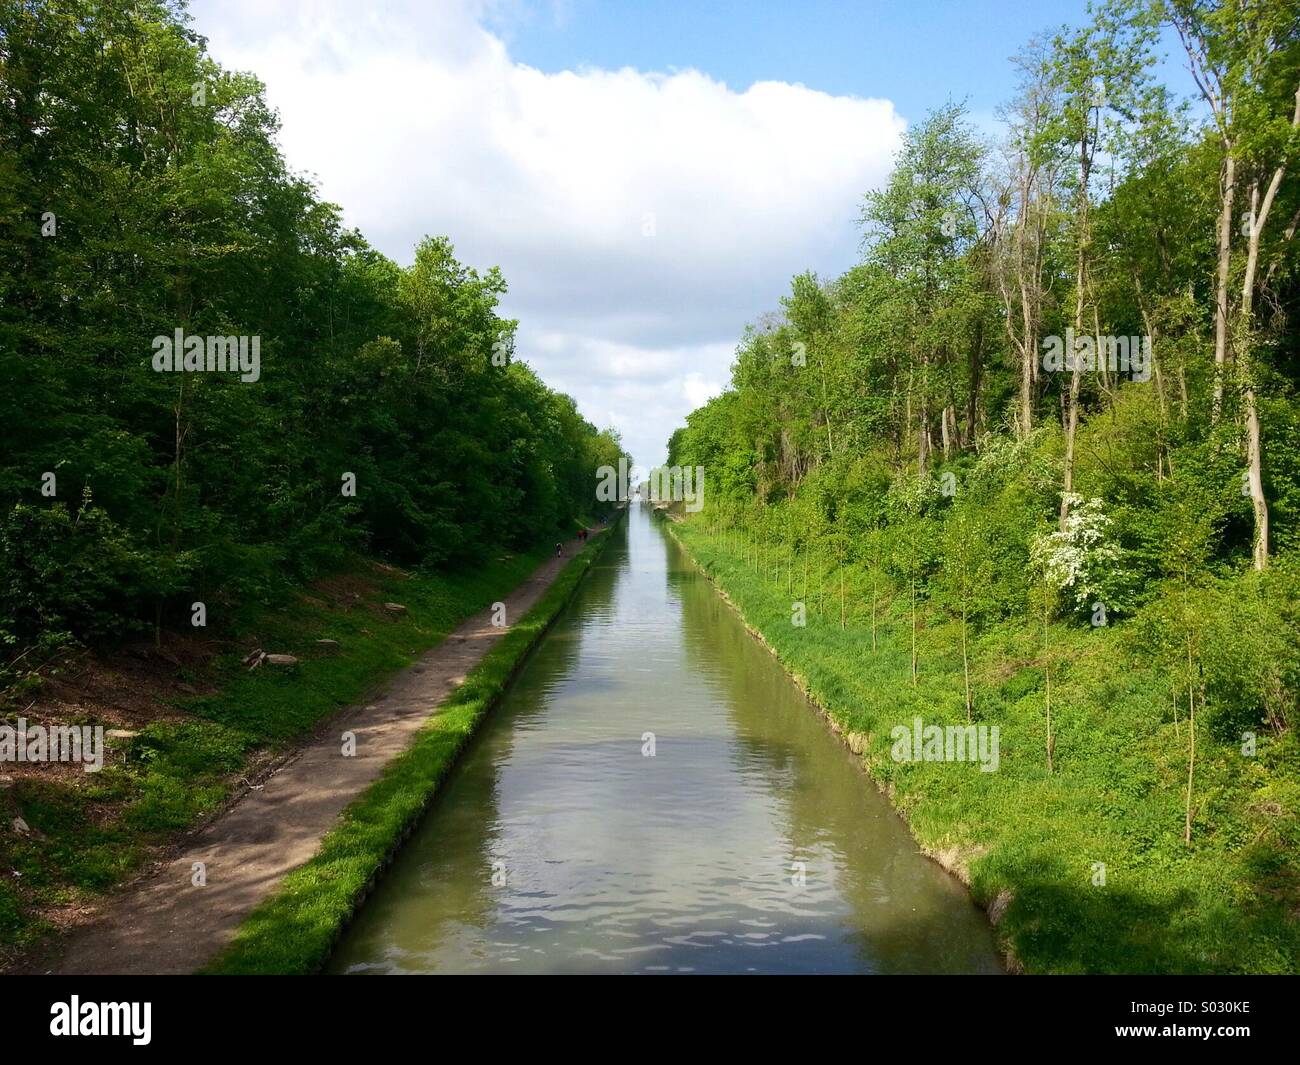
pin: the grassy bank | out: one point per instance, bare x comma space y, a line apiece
295, 929
202, 722
1031, 843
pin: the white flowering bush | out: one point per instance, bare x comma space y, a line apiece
1082, 562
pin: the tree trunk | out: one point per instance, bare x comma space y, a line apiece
1081, 265
965, 666
1227, 190
1029, 348
976, 371
1254, 452
1071, 430
1191, 754
1047, 690
874, 578
913, 632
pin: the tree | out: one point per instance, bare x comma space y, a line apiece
1245, 59
1098, 72
967, 571
918, 230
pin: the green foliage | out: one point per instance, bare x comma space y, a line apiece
174, 210
64, 571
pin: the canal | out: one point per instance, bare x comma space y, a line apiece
653, 794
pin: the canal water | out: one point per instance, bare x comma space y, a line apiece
653, 794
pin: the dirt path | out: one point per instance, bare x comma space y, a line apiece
164, 924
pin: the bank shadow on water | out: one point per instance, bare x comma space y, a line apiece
746, 840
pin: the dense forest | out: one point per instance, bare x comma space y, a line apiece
1040, 447
332, 401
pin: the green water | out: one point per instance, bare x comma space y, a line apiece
749, 842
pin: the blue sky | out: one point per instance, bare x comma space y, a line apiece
648, 176
916, 52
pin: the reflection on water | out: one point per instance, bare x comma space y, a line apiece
557, 846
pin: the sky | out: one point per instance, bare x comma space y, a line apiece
648, 176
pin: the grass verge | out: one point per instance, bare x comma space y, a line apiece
201, 722
294, 930
1084, 869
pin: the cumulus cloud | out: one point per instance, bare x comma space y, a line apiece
641, 218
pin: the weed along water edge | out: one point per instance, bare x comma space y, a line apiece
654, 794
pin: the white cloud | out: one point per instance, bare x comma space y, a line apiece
697, 391
641, 219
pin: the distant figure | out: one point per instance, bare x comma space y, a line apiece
558, 549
